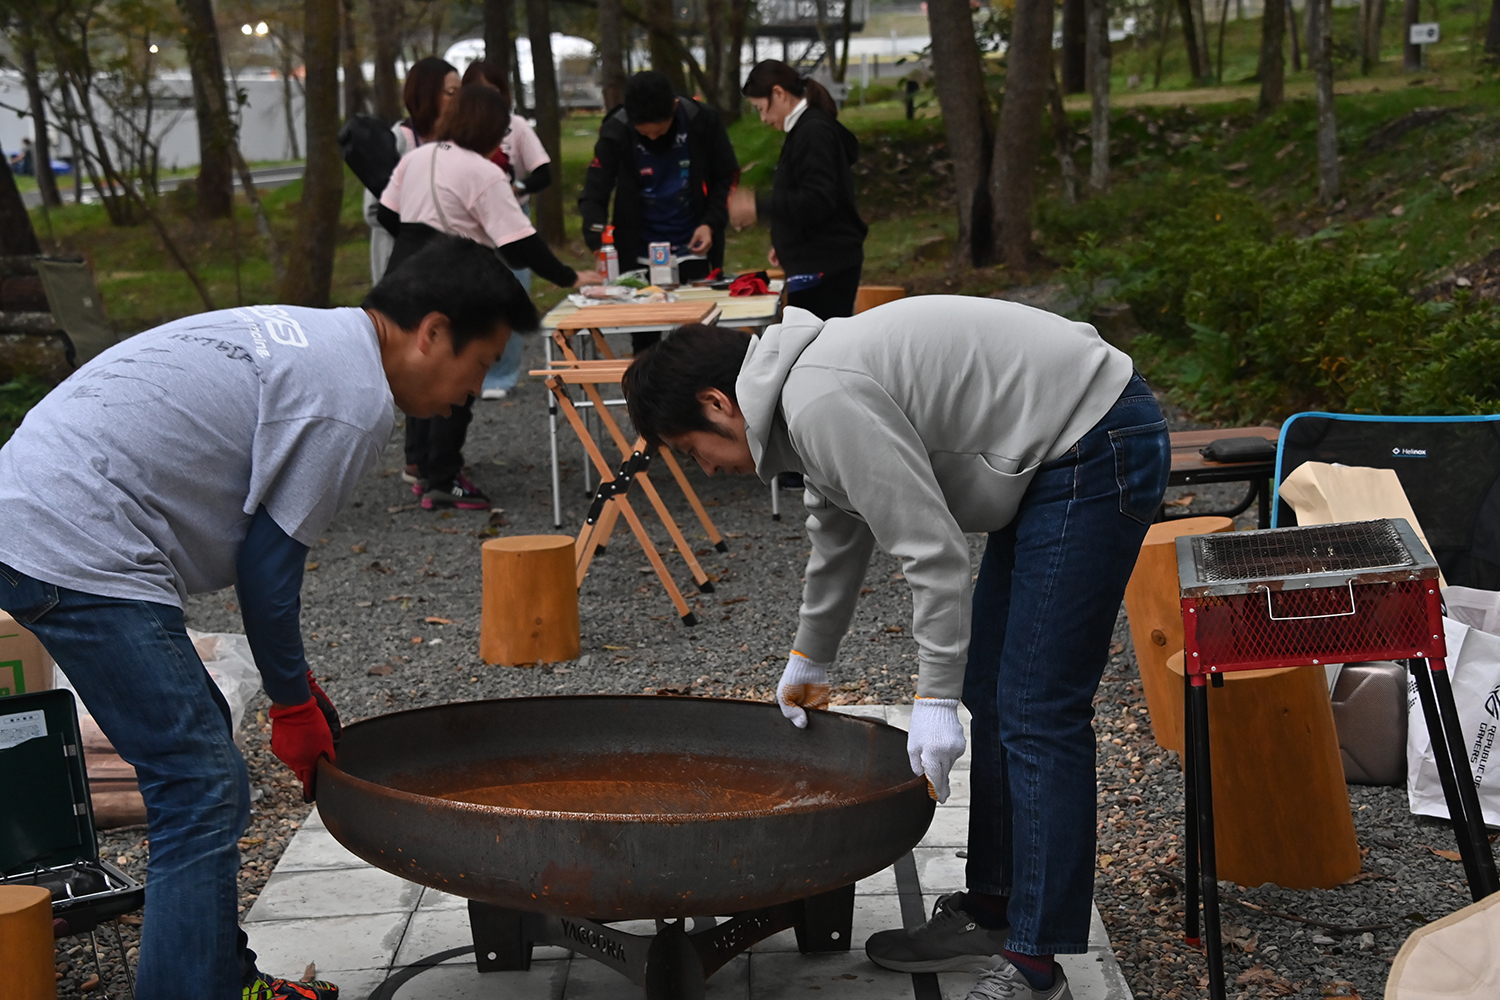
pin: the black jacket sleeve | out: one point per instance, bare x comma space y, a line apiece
537, 180
389, 220
814, 159
534, 253
598, 185
719, 175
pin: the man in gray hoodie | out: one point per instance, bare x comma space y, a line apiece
914, 424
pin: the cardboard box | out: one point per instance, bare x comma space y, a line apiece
24, 664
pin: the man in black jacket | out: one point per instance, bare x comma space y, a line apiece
669, 164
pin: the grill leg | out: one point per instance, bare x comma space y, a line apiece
1483, 880
1441, 755
827, 922
1208, 862
1190, 932
500, 940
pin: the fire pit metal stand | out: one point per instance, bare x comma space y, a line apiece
672, 964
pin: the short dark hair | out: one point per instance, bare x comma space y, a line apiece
423, 92
662, 383
482, 71
477, 119
648, 98
460, 279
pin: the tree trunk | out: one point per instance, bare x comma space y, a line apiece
1223, 23
1018, 139
666, 56
215, 130
1200, 25
309, 274
1412, 53
1165, 8
17, 238
1320, 51
739, 11
1190, 40
499, 26
959, 80
1291, 23
1062, 141
1075, 59
1099, 66
611, 53
288, 111
848, 28
713, 50
46, 181
1272, 61
383, 17
1492, 33
356, 97
549, 209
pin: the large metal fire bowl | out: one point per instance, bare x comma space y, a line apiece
618, 807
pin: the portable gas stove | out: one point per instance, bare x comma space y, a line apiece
558, 817
1306, 596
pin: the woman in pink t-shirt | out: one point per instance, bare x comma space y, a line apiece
450, 186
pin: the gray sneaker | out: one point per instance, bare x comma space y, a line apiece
949, 942
1003, 981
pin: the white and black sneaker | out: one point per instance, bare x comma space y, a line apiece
1003, 981
951, 941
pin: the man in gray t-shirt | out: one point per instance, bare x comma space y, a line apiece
202, 454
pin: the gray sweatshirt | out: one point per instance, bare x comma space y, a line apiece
914, 423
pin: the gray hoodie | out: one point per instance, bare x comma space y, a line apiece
915, 423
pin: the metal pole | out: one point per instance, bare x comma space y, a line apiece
1191, 932
1208, 861
1444, 761
1484, 860
552, 444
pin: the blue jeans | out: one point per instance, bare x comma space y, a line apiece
1045, 602
140, 677
506, 371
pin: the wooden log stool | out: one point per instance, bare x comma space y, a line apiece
1281, 808
1153, 604
870, 296
530, 602
26, 943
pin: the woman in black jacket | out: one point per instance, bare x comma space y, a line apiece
817, 236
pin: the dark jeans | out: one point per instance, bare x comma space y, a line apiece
833, 296
140, 677
1045, 602
435, 445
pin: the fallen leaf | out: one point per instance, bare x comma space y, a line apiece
400, 507
363, 604
1459, 189
1448, 175
434, 620
251, 841
310, 973
1236, 167
616, 647
357, 549
1281, 153
90, 984
381, 670
1256, 975
1398, 211
1181, 501
734, 600
1450, 855
416, 639
399, 597
1117, 647
311, 566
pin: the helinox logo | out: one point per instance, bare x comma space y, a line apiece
1408, 452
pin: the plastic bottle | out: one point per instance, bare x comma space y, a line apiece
607, 256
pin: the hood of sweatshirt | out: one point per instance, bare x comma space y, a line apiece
758, 389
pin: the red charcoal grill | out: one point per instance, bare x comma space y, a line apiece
1306, 596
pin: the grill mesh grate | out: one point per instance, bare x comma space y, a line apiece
1245, 556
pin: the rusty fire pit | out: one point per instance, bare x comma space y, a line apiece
555, 816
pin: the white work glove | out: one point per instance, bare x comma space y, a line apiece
934, 742
804, 685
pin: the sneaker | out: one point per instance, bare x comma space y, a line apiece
418, 486
279, 989
462, 494
1003, 981
409, 475
492, 394
950, 942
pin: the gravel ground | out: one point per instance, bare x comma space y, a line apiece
391, 609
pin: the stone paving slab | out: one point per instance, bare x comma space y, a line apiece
363, 927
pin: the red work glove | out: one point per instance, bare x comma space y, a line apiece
329, 712
300, 734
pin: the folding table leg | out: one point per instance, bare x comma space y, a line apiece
775, 498
1208, 860
1451, 757
1190, 931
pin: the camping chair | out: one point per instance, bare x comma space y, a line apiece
47, 833
1448, 466
76, 306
